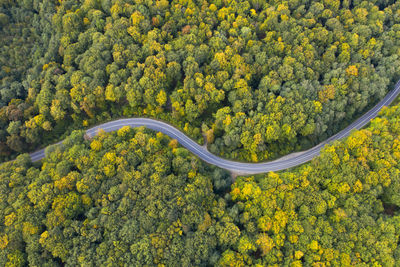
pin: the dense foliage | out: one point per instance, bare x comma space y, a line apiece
126, 198
26, 43
258, 78
137, 198
340, 210
25, 33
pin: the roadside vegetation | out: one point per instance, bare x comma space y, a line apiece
259, 78
137, 198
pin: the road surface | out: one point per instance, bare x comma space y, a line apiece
289, 161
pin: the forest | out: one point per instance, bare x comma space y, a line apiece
253, 80
137, 198
259, 79
131, 197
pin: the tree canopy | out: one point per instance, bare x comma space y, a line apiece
342, 209
260, 78
135, 197
255, 79
123, 198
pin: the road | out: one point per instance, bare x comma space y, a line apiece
289, 161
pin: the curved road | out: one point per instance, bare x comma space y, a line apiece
286, 162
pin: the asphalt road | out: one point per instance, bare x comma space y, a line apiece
286, 162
